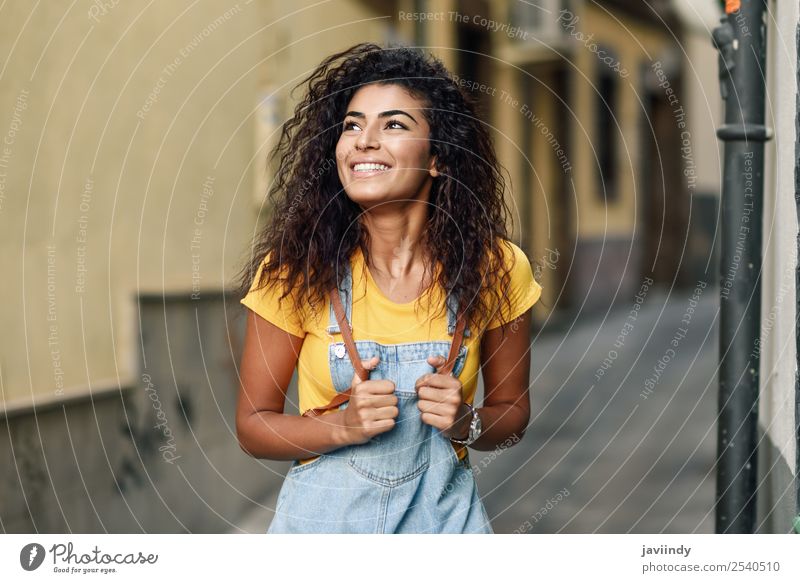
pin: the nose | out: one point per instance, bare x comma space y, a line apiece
366, 139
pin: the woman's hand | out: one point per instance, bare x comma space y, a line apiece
372, 408
441, 402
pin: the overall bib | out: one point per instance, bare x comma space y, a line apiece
406, 480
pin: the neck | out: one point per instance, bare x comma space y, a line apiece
396, 235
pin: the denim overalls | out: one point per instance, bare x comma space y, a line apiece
406, 480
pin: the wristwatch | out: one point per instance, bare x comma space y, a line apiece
475, 428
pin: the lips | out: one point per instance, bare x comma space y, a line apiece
363, 169
369, 167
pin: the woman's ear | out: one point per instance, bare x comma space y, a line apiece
432, 169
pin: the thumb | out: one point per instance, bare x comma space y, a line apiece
368, 365
437, 360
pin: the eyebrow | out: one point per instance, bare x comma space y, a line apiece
389, 113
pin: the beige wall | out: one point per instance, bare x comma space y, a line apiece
704, 109
633, 43
71, 91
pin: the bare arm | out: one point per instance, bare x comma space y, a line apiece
505, 366
264, 431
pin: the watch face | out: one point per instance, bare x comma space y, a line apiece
476, 428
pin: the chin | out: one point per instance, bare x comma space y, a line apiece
364, 196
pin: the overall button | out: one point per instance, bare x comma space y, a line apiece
340, 351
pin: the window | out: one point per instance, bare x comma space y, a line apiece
419, 30
606, 134
538, 18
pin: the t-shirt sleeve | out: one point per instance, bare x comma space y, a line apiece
283, 314
523, 290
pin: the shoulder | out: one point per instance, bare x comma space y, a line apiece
521, 291
512, 254
516, 262
265, 298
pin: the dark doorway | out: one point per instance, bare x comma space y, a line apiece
662, 195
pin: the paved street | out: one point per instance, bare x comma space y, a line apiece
630, 452
628, 448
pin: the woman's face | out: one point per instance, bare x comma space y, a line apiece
383, 153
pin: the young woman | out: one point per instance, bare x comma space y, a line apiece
387, 278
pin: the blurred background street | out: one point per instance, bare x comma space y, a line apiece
133, 173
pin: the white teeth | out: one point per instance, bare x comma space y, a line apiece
369, 167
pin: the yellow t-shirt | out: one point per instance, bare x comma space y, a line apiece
375, 317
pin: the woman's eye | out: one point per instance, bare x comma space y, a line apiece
391, 124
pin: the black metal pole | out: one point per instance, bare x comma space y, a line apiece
741, 40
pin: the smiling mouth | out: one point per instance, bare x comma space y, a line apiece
369, 169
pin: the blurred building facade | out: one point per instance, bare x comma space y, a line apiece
132, 137
611, 143
133, 181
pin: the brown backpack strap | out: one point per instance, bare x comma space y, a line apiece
347, 335
455, 346
355, 358
340, 398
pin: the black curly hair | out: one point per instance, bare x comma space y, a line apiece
315, 227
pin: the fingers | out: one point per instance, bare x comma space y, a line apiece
432, 379
437, 381
371, 421
390, 412
373, 400
368, 365
437, 360
366, 386
382, 426
368, 417
451, 395
381, 387
447, 407
437, 421
369, 429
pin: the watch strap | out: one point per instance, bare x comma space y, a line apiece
472, 426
